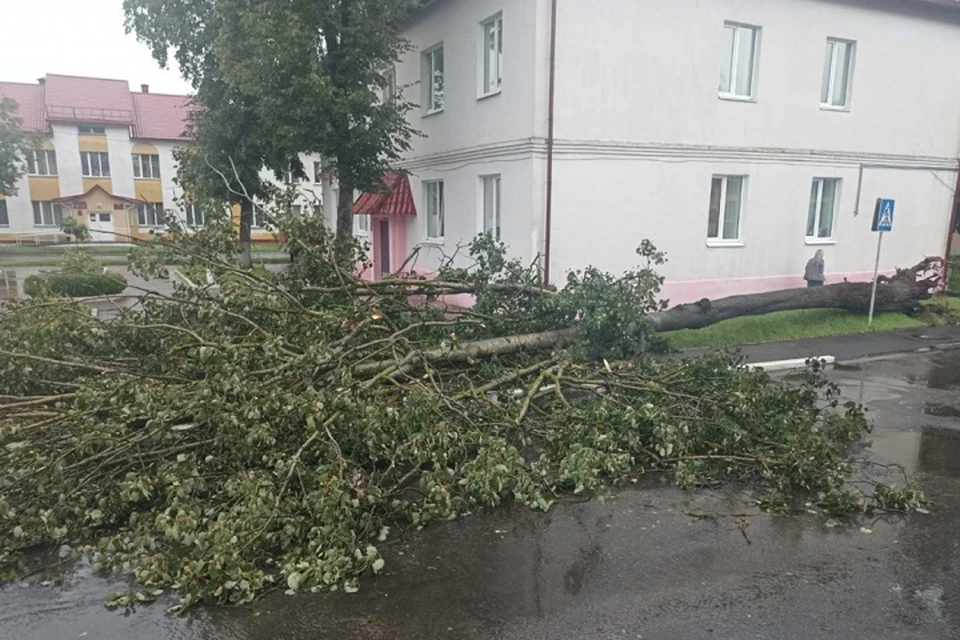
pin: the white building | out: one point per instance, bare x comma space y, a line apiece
106, 158
737, 135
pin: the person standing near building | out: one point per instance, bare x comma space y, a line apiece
813, 273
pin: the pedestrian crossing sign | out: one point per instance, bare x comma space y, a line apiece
883, 215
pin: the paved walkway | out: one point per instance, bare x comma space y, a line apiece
851, 347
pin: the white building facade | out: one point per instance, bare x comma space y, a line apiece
737, 135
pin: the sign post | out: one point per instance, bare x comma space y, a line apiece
882, 223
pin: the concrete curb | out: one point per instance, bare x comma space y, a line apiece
793, 364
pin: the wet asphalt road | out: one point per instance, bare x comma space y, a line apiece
651, 563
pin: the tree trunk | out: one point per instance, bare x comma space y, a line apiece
345, 215
246, 222
900, 293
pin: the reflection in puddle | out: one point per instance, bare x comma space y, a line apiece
944, 373
8, 285
931, 450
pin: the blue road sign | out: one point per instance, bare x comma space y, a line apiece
883, 215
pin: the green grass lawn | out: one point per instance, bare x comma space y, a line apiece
809, 323
12, 256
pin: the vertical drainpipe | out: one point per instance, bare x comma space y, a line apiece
951, 227
550, 118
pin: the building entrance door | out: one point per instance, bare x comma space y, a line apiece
101, 226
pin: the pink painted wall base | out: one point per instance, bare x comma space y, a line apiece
693, 290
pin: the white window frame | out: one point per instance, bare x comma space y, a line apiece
90, 130
4, 213
361, 225
831, 69
733, 67
146, 166
389, 93
194, 215
46, 213
497, 230
49, 164
148, 210
429, 72
90, 158
719, 240
433, 199
816, 200
317, 172
491, 66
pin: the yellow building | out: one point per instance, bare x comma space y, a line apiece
106, 159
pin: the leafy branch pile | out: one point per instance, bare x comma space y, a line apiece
272, 432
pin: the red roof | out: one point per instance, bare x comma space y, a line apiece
396, 198
29, 98
88, 100
160, 116
75, 99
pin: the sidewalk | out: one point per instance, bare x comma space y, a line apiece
850, 347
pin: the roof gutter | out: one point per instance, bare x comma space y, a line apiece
551, 104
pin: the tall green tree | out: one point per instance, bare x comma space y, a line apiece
312, 73
229, 152
13, 144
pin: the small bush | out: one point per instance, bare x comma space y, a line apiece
74, 285
76, 260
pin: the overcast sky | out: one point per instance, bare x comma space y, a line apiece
78, 37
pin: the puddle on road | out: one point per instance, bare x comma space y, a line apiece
931, 450
942, 411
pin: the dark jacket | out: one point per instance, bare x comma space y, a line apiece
814, 270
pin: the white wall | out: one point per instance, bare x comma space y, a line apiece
629, 200
641, 131
466, 120
649, 71
20, 210
473, 136
120, 148
520, 196
68, 159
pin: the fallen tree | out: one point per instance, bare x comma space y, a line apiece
902, 292
275, 433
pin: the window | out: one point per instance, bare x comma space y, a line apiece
150, 214
94, 164
389, 85
361, 225
738, 65
434, 197
433, 68
195, 215
490, 205
824, 194
146, 166
4, 214
41, 162
837, 74
94, 131
259, 217
288, 177
492, 55
295, 210
726, 204
47, 214
317, 172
